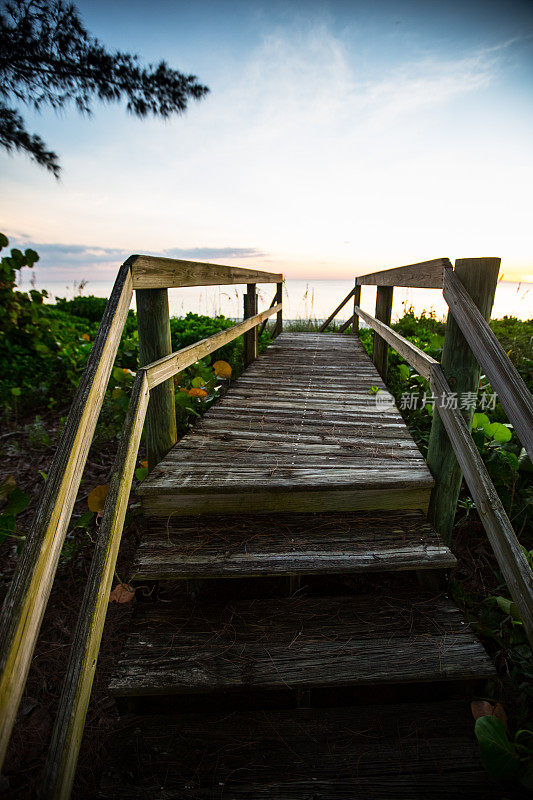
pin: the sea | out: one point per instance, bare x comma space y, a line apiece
309, 299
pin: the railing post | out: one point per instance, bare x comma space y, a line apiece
250, 337
479, 277
356, 302
380, 352
278, 328
154, 343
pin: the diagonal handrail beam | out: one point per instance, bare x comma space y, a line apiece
26, 599
339, 308
513, 394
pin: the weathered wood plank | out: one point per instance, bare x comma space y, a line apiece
410, 751
339, 641
153, 272
165, 368
505, 379
254, 502
507, 549
295, 544
350, 460
68, 729
153, 321
23, 609
424, 275
480, 277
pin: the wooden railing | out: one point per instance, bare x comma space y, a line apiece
469, 291
25, 603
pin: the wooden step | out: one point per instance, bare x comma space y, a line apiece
288, 544
302, 430
298, 642
401, 752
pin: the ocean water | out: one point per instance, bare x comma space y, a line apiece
313, 299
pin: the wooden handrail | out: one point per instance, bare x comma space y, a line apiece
424, 275
512, 392
152, 272
511, 559
68, 728
25, 602
416, 357
167, 367
76, 692
26, 599
513, 564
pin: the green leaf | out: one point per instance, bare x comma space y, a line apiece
16, 502
197, 383
497, 753
85, 519
404, 371
524, 462
509, 608
498, 432
16, 392
480, 421
4, 241
141, 473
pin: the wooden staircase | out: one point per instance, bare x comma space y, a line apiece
296, 472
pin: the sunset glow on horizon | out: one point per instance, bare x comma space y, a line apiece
338, 138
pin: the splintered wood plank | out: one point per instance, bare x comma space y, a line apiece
412, 751
301, 431
210, 547
298, 642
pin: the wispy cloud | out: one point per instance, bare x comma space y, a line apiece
78, 260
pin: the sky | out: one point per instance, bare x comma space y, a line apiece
337, 138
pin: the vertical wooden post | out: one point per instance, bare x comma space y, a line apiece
479, 277
278, 328
380, 353
153, 321
250, 337
356, 302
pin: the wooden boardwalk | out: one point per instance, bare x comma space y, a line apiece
298, 470
301, 430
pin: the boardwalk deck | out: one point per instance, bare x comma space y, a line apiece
288, 544
298, 642
301, 430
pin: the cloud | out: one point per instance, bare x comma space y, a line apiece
213, 252
81, 260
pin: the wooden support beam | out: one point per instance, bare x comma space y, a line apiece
424, 275
169, 366
380, 353
479, 277
68, 729
339, 307
154, 343
250, 337
279, 300
27, 596
152, 272
356, 303
504, 378
346, 325
511, 559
